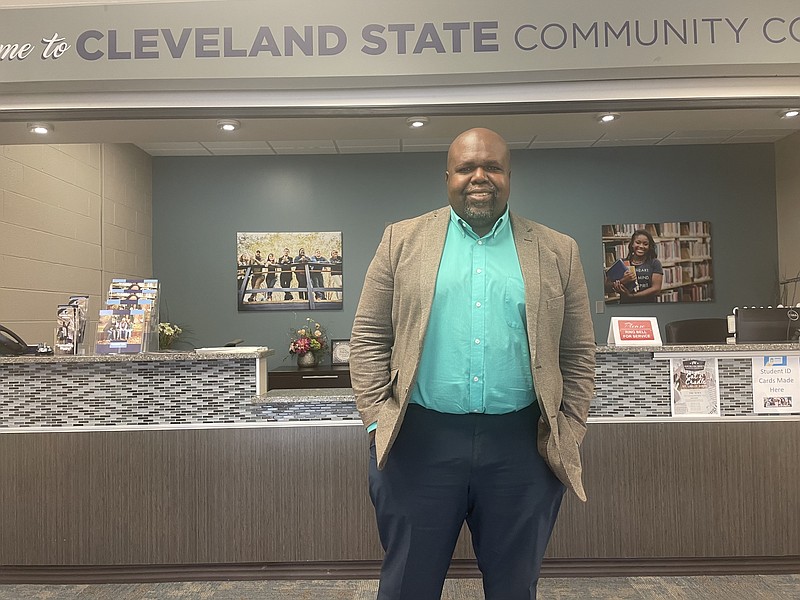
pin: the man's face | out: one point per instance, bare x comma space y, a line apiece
286, 252
334, 254
478, 178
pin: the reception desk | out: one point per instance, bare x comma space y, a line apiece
176, 467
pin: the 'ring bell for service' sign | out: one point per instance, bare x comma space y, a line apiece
776, 388
633, 331
695, 387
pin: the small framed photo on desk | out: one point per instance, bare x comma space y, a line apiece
340, 352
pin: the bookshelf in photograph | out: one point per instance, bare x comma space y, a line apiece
682, 247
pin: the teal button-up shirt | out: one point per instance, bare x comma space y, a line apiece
476, 357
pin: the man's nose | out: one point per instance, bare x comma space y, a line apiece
479, 174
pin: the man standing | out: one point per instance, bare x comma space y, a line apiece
257, 279
317, 280
300, 262
285, 262
472, 362
336, 275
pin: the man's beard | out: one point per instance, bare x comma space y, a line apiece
481, 215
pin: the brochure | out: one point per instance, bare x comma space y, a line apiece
66, 335
120, 331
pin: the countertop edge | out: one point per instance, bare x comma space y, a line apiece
683, 348
138, 357
266, 352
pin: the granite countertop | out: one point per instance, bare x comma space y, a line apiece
263, 352
291, 396
194, 355
683, 348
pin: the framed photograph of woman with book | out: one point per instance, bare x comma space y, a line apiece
657, 262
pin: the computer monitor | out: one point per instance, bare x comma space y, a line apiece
767, 325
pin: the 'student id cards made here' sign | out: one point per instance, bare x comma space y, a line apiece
634, 331
776, 386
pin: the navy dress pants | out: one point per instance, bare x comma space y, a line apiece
445, 469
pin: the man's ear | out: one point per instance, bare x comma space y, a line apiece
446, 176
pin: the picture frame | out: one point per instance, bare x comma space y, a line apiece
285, 270
657, 262
340, 352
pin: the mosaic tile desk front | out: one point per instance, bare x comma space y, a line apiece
184, 390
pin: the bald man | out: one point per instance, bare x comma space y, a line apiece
472, 362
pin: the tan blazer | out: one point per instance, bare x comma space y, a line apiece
392, 316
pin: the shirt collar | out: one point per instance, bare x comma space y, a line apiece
466, 229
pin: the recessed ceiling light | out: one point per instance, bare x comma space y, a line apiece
417, 122
790, 113
608, 117
40, 128
228, 124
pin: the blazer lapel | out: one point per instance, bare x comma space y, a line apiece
433, 237
528, 252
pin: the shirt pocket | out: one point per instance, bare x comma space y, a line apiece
514, 303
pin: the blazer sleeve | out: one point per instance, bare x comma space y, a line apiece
372, 337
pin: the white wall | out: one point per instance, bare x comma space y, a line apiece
787, 167
71, 218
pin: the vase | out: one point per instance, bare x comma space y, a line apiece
309, 359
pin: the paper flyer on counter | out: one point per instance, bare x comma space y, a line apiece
695, 387
776, 387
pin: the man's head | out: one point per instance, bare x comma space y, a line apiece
334, 253
478, 177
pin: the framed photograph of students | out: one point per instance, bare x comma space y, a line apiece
289, 271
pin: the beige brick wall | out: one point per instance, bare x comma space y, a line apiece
71, 218
787, 165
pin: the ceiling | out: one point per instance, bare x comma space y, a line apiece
373, 134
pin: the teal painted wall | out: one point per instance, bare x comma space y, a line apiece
199, 203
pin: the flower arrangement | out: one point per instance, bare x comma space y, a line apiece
167, 334
310, 338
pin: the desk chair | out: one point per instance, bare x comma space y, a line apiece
696, 331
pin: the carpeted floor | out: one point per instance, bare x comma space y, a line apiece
749, 587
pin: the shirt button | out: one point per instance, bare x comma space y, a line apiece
477, 341
479, 271
478, 304
476, 378
480, 242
